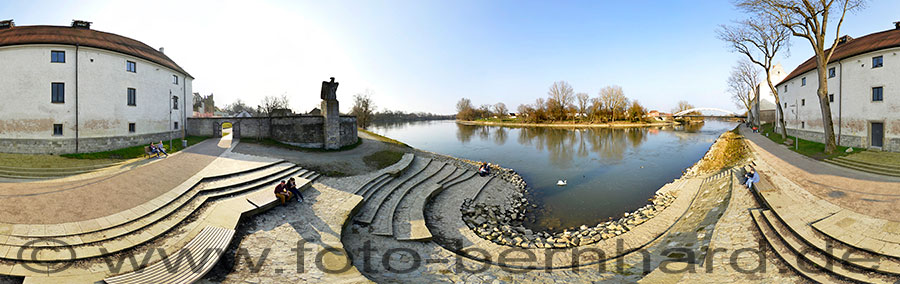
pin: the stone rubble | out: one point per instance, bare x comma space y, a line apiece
504, 226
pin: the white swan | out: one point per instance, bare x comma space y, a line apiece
561, 182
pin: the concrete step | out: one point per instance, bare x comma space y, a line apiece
789, 257
377, 187
383, 223
482, 187
375, 201
139, 230
848, 267
365, 187
865, 167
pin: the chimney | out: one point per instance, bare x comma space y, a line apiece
162, 50
7, 24
897, 25
79, 24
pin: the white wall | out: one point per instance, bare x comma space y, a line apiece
27, 113
853, 106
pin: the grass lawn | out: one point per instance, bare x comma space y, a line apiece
807, 148
382, 159
48, 161
383, 138
134, 152
276, 143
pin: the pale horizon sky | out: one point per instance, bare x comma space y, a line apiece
426, 55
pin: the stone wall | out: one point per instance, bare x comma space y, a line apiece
301, 130
85, 145
890, 144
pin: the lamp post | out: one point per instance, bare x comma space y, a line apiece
796, 111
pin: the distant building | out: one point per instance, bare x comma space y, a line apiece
281, 112
204, 106
72, 89
864, 93
315, 111
243, 113
766, 110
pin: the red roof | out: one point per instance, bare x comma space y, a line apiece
853, 47
20, 35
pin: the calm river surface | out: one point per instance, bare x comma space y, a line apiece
609, 171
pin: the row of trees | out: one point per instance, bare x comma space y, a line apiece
767, 31
267, 107
563, 104
364, 110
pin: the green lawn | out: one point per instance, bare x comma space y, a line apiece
136, 151
382, 159
807, 148
383, 138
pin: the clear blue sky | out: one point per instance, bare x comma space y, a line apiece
425, 55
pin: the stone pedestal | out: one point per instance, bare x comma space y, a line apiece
332, 126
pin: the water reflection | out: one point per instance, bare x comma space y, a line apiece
609, 171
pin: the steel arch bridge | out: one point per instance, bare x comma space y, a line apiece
681, 113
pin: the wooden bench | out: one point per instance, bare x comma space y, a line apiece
187, 265
148, 153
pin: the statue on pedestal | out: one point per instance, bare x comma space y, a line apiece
329, 90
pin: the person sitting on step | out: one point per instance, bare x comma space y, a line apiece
292, 187
282, 193
483, 170
752, 177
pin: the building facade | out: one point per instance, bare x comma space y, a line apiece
74, 89
766, 109
863, 91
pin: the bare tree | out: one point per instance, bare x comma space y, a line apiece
271, 103
501, 110
683, 106
808, 19
743, 84
583, 104
239, 106
561, 96
363, 108
596, 107
464, 109
760, 39
613, 98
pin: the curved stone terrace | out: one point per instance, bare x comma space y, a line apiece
431, 218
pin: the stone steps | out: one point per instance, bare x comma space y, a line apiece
42, 173
789, 257
372, 182
400, 227
143, 229
821, 259
865, 167
383, 220
414, 217
482, 187
376, 187
375, 201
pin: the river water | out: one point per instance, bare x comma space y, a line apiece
608, 171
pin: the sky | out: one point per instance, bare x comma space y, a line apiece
423, 56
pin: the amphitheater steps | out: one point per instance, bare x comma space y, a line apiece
412, 220
375, 201
372, 182
376, 187
382, 223
788, 256
400, 226
142, 229
819, 258
482, 187
865, 167
44, 173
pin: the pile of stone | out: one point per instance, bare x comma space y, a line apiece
504, 226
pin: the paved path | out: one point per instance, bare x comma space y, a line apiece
69, 201
864, 193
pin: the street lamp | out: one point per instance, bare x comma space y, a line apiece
796, 112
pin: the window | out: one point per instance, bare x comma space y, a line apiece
803, 124
130, 66
803, 81
57, 130
830, 98
131, 127
785, 105
803, 102
132, 97
785, 88
176, 125
175, 79
57, 93
877, 94
831, 72
175, 102
877, 61
58, 56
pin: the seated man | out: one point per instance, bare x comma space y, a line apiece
161, 148
752, 177
482, 170
153, 150
281, 193
292, 187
